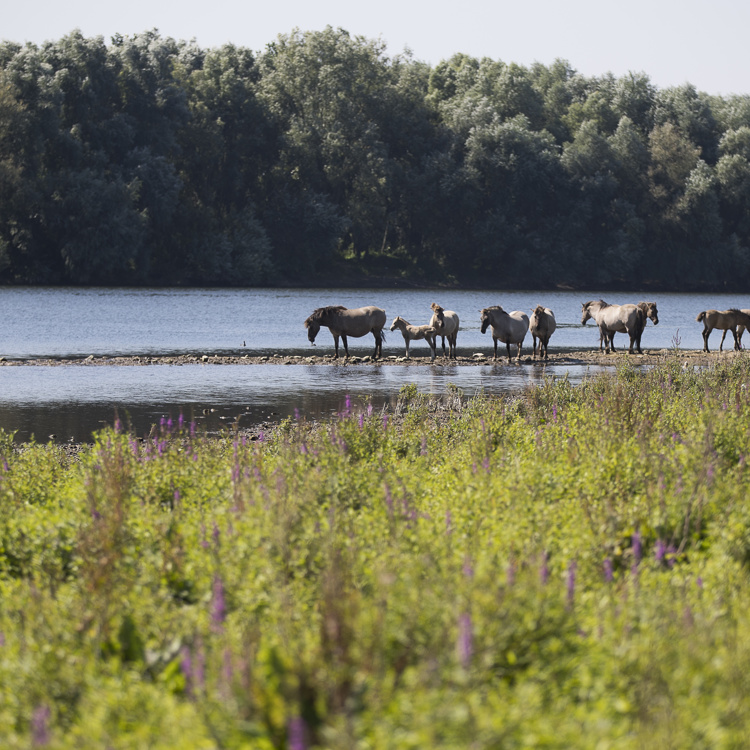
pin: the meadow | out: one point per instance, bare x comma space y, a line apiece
564, 567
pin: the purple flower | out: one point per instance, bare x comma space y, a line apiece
554, 412
468, 569
465, 640
361, 420
544, 572
297, 734
218, 605
40, 735
572, 582
216, 535
608, 571
660, 550
385, 421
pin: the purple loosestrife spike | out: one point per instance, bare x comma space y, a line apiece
465, 640
40, 734
608, 571
180, 422
216, 534
468, 569
361, 420
297, 734
544, 572
699, 582
486, 464
186, 667
385, 421
218, 605
660, 550
572, 582
348, 403
554, 412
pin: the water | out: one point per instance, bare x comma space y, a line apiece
75, 322
70, 401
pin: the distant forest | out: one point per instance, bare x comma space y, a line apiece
152, 161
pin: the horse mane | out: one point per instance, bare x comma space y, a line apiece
323, 312
493, 308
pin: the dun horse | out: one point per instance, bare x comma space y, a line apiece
445, 323
510, 328
645, 311
344, 322
542, 325
727, 320
415, 333
611, 319
741, 328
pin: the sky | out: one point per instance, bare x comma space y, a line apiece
702, 42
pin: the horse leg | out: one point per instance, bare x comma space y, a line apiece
721, 343
379, 344
705, 339
494, 341
407, 348
452, 342
431, 342
533, 347
346, 346
737, 346
336, 344
507, 346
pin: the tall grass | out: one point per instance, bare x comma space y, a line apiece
567, 567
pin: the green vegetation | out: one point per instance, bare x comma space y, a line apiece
148, 160
563, 568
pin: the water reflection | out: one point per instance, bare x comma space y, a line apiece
72, 401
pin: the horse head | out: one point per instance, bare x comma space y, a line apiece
485, 319
313, 326
397, 322
585, 312
653, 313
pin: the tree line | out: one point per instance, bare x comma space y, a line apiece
153, 161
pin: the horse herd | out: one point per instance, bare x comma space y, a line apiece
512, 327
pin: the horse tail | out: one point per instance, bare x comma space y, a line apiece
701, 316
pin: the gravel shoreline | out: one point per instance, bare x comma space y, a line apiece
559, 357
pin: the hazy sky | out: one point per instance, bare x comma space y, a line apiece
703, 42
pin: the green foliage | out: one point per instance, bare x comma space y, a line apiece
154, 161
564, 567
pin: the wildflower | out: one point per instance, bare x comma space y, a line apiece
571, 582
40, 735
544, 572
361, 420
218, 605
660, 550
468, 569
465, 640
385, 421
608, 571
297, 732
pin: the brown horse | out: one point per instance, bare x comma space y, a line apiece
741, 328
344, 322
542, 325
726, 320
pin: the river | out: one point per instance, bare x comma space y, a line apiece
70, 401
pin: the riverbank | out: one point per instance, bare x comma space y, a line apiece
560, 357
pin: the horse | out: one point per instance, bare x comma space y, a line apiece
727, 320
741, 328
344, 322
542, 325
415, 333
445, 323
645, 311
610, 319
510, 328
